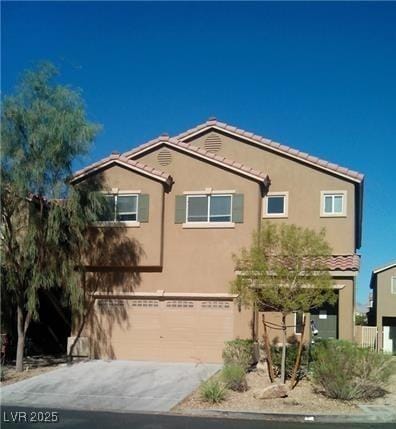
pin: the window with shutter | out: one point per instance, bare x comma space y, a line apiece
124, 207
180, 209
209, 210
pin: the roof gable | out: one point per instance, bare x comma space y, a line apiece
195, 151
117, 159
214, 125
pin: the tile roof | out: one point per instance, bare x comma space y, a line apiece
286, 150
331, 263
343, 262
195, 150
123, 161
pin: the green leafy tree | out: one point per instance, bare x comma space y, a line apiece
361, 319
285, 270
44, 128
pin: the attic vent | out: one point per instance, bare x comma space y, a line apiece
164, 157
213, 143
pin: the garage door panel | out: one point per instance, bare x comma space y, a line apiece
174, 330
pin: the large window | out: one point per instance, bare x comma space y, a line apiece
333, 203
120, 208
276, 204
209, 208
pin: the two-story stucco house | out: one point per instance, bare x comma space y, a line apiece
190, 202
383, 311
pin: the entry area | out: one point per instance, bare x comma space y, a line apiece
325, 320
168, 330
389, 334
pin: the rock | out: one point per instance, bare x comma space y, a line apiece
262, 367
271, 392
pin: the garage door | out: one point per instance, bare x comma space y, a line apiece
165, 330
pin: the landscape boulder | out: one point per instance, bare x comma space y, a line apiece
271, 392
262, 368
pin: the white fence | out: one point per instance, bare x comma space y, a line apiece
366, 336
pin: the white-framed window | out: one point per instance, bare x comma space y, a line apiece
276, 204
393, 285
209, 208
333, 203
298, 321
120, 208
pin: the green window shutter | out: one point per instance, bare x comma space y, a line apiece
180, 209
143, 208
237, 208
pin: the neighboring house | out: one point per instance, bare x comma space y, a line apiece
383, 311
189, 203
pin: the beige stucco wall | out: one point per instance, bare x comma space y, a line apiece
147, 238
200, 260
346, 305
304, 185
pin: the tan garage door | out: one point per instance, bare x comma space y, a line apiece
165, 330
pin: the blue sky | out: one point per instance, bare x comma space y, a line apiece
320, 77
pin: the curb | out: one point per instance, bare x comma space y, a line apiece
234, 415
291, 417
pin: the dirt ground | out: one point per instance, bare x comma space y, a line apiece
303, 399
33, 366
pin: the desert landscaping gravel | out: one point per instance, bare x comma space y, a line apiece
303, 399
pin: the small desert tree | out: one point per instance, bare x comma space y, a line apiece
285, 270
44, 128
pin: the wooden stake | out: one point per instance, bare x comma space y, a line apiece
268, 351
293, 381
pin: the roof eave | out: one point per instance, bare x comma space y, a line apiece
106, 162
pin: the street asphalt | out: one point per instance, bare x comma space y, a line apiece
76, 419
110, 386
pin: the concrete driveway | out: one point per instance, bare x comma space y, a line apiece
110, 386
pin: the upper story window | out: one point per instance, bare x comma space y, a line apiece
209, 208
333, 203
276, 204
393, 285
120, 208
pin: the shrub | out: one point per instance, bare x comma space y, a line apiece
238, 352
212, 391
345, 371
291, 354
234, 377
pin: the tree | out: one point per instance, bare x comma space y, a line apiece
361, 319
285, 270
44, 128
